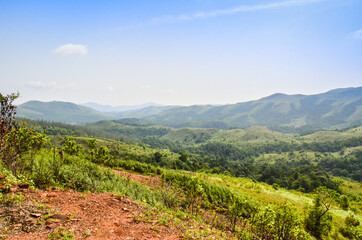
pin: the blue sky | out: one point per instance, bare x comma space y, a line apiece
178, 52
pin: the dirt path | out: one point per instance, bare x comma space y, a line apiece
153, 182
88, 216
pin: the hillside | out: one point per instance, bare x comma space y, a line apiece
64, 112
338, 108
109, 108
120, 129
237, 184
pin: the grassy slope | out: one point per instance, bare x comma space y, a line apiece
334, 109
256, 134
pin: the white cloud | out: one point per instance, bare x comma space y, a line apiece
218, 13
230, 11
39, 84
71, 49
48, 85
357, 34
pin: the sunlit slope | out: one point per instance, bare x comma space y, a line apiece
252, 134
335, 109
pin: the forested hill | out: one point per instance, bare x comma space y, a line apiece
57, 111
339, 108
291, 113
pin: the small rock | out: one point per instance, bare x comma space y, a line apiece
52, 194
51, 226
31, 221
51, 221
59, 216
35, 215
17, 226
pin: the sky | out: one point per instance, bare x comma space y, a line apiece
179, 52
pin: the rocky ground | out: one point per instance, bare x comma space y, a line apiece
60, 214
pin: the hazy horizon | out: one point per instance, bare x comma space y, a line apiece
178, 53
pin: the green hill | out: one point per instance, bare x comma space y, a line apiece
338, 108
126, 131
64, 112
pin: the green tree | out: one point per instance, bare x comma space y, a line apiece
102, 155
20, 142
157, 156
319, 220
344, 202
92, 144
7, 117
70, 146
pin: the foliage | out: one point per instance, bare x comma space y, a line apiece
61, 233
21, 145
319, 220
278, 222
7, 117
351, 228
78, 173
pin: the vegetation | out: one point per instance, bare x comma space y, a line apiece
335, 109
201, 178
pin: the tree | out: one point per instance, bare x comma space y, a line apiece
319, 220
21, 145
157, 156
92, 144
7, 116
344, 202
16, 140
183, 156
102, 155
70, 146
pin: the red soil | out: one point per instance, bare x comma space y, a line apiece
89, 216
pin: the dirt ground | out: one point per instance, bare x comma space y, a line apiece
88, 216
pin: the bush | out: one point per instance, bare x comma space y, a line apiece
351, 230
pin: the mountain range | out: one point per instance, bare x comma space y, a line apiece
335, 109
57, 111
109, 108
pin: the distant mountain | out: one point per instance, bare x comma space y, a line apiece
338, 108
109, 108
144, 112
64, 112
